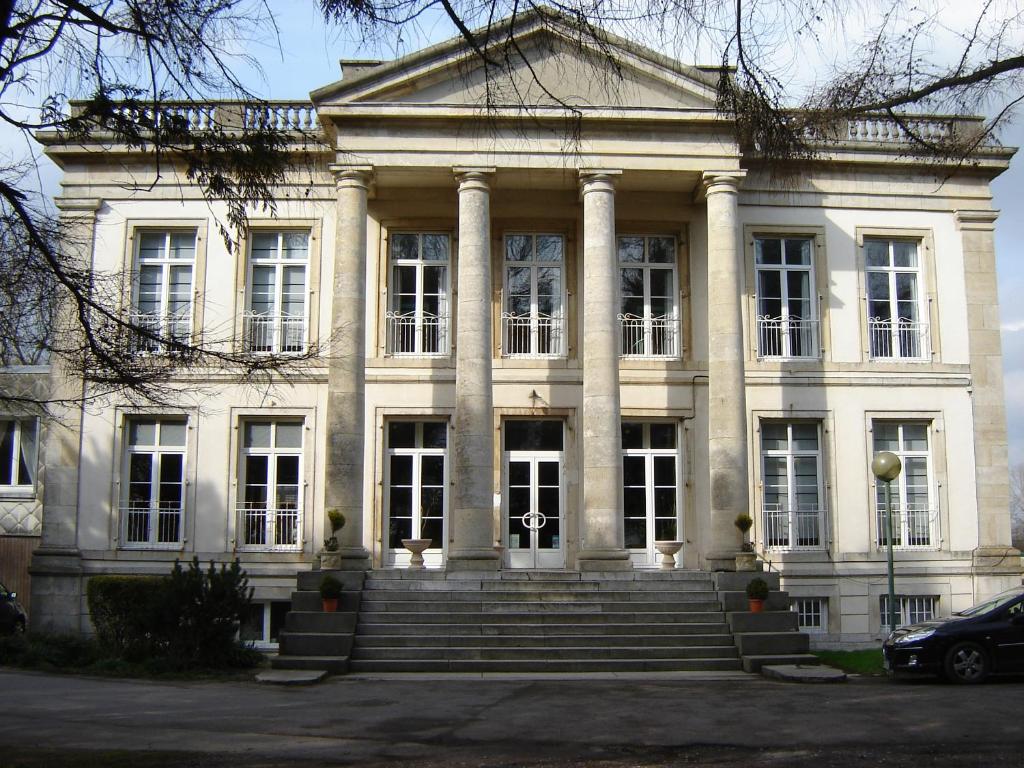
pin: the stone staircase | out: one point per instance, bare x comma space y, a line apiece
555, 621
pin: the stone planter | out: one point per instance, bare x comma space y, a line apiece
746, 561
330, 561
668, 550
416, 546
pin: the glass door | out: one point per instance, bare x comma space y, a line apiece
533, 494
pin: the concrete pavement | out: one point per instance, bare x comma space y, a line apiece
501, 721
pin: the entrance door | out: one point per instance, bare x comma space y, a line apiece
533, 504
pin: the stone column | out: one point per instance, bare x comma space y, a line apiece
601, 529
56, 568
996, 564
471, 526
346, 376
727, 403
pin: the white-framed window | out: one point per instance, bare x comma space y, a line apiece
649, 316
532, 318
276, 309
896, 312
162, 304
19, 448
417, 316
787, 308
270, 469
910, 609
650, 479
793, 489
153, 503
416, 483
812, 613
914, 511
263, 624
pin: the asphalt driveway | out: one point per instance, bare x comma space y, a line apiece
509, 722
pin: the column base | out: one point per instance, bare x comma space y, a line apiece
996, 561
57, 589
473, 560
604, 560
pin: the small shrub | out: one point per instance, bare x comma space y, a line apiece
124, 612
744, 522
330, 588
757, 589
336, 519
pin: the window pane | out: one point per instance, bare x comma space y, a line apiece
518, 248
27, 461
172, 433
6, 452
432, 470
631, 249
634, 471
774, 436
142, 432
915, 437
876, 253
549, 248
533, 435
402, 434
665, 471
151, 245
661, 282
435, 247
798, 252
287, 470
632, 434
264, 245
661, 250
663, 435
904, 254
296, 245
257, 434
405, 246
768, 251
805, 437
183, 245
435, 434
886, 436
401, 471
632, 282
289, 435
878, 286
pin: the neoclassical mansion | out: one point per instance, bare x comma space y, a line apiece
548, 354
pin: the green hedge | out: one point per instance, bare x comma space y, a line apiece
189, 618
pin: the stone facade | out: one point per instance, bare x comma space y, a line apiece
550, 357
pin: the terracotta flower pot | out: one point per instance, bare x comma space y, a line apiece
330, 604
756, 606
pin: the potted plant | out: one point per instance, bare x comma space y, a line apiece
330, 558
746, 559
757, 593
330, 592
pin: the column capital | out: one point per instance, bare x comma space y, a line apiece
977, 220
348, 176
597, 180
473, 177
716, 182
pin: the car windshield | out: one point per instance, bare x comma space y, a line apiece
993, 602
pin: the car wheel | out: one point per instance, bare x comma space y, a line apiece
967, 663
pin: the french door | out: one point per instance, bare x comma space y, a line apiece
533, 495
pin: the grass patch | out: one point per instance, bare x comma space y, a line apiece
867, 662
83, 655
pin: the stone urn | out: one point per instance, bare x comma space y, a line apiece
416, 547
668, 550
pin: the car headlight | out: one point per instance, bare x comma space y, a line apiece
915, 637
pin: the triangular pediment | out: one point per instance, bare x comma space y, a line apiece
547, 66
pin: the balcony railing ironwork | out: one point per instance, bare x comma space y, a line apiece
649, 336
145, 526
268, 530
417, 334
900, 339
536, 335
158, 333
273, 333
787, 337
914, 528
793, 530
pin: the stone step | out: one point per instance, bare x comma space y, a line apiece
314, 644
638, 575
546, 653
306, 600
547, 596
424, 629
767, 621
318, 621
443, 607
754, 663
526, 616
352, 581
541, 666
738, 601
525, 639
765, 643
434, 586
332, 664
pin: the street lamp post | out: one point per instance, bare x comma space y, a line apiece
886, 467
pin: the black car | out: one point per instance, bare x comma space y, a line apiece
12, 615
967, 646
